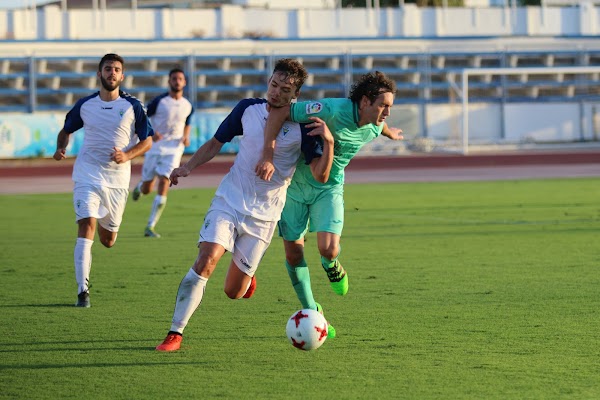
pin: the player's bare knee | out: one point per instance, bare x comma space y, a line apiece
108, 242
205, 265
294, 258
146, 189
233, 293
329, 252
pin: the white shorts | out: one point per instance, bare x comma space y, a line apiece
245, 237
159, 165
105, 204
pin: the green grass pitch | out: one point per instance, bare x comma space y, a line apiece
474, 290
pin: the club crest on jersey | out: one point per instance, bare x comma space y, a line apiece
313, 108
285, 130
121, 112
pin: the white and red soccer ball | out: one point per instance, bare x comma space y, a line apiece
306, 329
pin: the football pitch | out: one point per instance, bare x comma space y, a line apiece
474, 290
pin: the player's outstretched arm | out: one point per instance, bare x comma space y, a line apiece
205, 153
392, 133
62, 142
277, 116
321, 167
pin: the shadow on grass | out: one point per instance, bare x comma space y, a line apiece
101, 365
70, 305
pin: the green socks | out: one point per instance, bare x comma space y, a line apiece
300, 277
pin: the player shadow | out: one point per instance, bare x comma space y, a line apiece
100, 365
56, 305
72, 345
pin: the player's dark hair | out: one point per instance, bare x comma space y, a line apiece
292, 69
111, 57
175, 71
371, 84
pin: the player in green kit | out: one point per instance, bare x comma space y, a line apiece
319, 207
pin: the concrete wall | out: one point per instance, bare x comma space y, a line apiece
233, 21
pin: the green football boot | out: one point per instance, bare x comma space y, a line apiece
338, 278
330, 328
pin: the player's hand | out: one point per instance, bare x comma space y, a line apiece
177, 173
185, 141
156, 137
119, 156
265, 169
396, 133
60, 154
320, 128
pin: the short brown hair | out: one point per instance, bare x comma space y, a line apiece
292, 69
371, 84
111, 57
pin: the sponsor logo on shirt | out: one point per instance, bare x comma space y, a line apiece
313, 108
106, 108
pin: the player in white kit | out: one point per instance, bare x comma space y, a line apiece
171, 115
245, 209
116, 130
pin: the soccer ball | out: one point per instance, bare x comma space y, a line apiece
306, 329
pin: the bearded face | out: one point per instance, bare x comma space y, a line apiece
111, 75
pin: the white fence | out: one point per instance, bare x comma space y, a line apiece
232, 21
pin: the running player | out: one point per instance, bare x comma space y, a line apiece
319, 206
245, 209
170, 114
116, 131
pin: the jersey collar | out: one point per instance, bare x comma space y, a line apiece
355, 112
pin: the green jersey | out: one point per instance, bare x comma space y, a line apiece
341, 116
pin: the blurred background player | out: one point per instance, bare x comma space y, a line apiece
245, 209
116, 130
319, 206
171, 115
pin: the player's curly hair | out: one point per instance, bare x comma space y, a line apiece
111, 57
292, 69
371, 84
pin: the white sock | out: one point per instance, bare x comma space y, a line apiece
189, 296
157, 208
83, 263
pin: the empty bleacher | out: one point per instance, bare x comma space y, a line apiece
31, 84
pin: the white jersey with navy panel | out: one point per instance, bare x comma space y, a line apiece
120, 123
241, 188
169, 117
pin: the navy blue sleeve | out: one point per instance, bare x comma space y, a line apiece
188, 120
143, 128
73, 121
153, 105
312, 146
232, 124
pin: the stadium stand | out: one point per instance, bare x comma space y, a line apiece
29, 84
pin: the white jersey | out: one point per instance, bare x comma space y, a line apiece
107, 124
241, 188
169, 117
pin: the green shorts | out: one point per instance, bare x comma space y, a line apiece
311, 209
